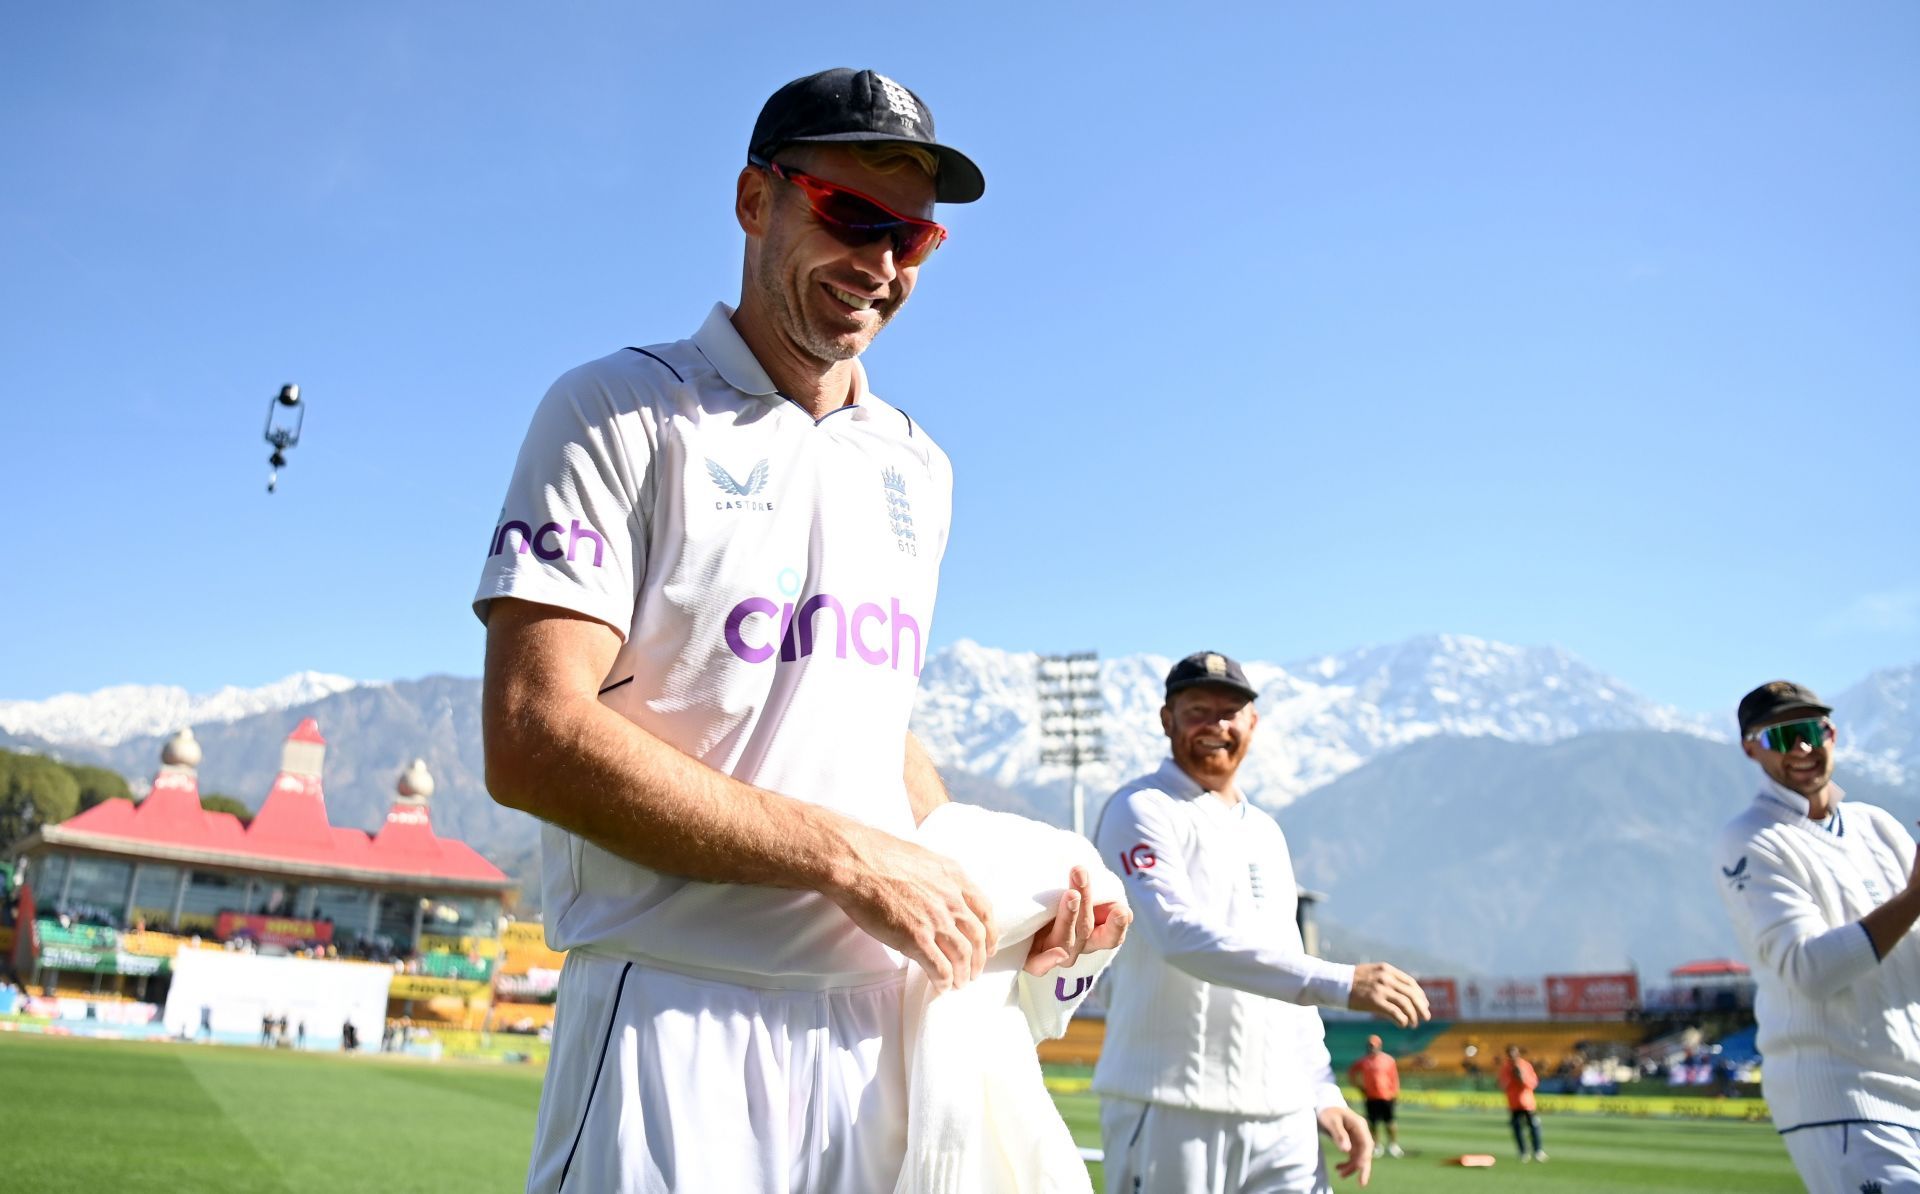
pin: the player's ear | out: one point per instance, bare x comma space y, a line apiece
1166, 720
752, 201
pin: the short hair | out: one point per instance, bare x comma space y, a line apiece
885, 157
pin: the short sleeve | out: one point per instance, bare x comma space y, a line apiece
572, 532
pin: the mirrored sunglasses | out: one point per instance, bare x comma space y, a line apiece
1815, 732
855, 219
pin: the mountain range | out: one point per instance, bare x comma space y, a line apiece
1454, 798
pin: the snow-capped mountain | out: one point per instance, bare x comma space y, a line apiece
1590, 853
978, 712
1321, 718
1464, 795
1879, 720
113, 715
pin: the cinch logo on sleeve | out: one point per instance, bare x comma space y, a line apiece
546, 542
868, 621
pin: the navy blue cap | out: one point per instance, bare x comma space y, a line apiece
842, 105
1209, 667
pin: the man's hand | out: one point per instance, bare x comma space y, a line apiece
1891, 921
1078, 927
920, 903
1350, 1134
1389, 992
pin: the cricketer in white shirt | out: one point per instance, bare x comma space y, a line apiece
1214, 1077
1822, 893
707, 600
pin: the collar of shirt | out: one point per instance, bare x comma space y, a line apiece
719, 341
1176, 782
1771, 789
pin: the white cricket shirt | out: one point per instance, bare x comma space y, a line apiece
1839, 1031
1207, 1006
773, 578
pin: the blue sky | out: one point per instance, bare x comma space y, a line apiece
1282, 328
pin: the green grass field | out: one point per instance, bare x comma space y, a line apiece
98, 1116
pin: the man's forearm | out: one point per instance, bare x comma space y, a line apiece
582, 766
1888, 923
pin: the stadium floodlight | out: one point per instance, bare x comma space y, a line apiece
1072, 718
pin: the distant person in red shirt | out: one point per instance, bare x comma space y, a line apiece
1519, 1081
1378, 1077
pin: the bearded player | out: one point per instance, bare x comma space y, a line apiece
1215, 1077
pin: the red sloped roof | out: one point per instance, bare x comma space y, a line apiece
307, 731
170, 815
407, 841
291, 826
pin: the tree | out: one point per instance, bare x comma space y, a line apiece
34, 791
214, 802
97, 785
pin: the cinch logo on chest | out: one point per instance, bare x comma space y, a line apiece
796, 630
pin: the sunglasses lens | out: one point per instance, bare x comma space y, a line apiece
851, 211
1783, 738
855, 221
914, 243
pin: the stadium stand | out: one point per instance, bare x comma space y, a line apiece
1547, 1045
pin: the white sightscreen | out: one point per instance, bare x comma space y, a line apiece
242, 989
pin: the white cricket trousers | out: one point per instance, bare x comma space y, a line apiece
662, 1082
1849, 1158
1152, 1148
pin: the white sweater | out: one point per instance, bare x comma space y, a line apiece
1839, 1028
1206, 1002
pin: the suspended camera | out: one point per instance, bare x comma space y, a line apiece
285, 414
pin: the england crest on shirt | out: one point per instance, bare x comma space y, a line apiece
899, 510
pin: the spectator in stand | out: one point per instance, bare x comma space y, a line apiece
1378, 1077
1519, 1081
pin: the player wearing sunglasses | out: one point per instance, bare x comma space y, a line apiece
707, 603
1822, 894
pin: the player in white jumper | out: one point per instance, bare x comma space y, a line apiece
1215, 1077
707, 603
1822, 894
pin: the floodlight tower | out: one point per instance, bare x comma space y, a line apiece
1072, 718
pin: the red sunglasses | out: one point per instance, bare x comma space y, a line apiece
855, 219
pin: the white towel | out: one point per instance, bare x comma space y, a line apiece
979, 1118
